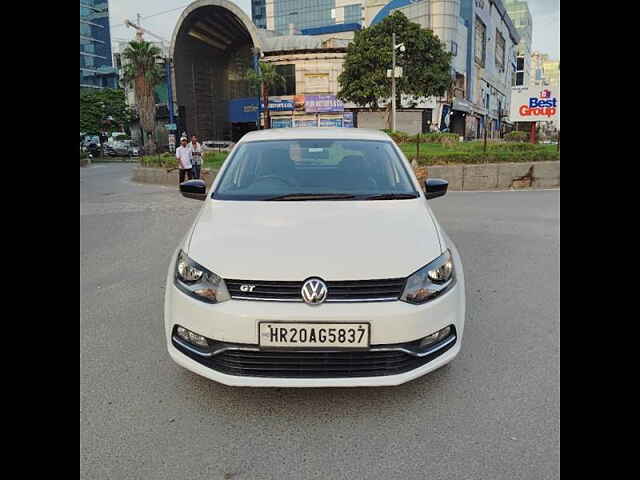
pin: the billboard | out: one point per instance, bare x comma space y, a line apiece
536, 104
323, 104
281, 104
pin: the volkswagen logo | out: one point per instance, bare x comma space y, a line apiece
314, 291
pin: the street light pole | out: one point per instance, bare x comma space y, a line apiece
393, 79
393, 84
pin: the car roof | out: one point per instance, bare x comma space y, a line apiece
315, 133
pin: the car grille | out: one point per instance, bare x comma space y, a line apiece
320, 364
337, 291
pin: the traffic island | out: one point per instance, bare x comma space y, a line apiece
489, 176
163, 176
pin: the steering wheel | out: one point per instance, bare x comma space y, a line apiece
274, 177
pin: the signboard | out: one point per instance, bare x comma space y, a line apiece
323, 104
170, 126
330, 122
281, 122
243, 110
316, 82
347, 119
305, 122
280, 104
298, 103
536, 104
172, 142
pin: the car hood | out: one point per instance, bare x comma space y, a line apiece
333, 240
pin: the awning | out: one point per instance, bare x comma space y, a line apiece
461, 105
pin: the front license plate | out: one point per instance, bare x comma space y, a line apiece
342, 335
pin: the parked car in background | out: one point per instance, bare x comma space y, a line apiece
135, 150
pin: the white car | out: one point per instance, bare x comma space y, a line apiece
315, 261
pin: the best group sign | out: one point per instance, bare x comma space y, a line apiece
536, 104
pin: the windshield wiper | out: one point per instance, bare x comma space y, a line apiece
312, 196
391, 196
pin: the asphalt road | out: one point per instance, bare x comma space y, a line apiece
493, 413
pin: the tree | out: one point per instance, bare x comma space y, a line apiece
426, 66
143, 71
98, 106
267, 79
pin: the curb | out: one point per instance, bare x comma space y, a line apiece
474, 177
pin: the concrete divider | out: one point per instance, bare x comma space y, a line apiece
162, 177
498, 176
489, 176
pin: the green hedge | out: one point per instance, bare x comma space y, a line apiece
516, 136
168, 160
489, 157
435, 137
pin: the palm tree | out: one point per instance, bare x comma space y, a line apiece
267, 79
143, 70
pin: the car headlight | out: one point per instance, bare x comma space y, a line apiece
198, 282
430, 281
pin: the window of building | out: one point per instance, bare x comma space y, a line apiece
481, 42
519, 79
352, 13
454, 48
520, 63
289, 74
500, 44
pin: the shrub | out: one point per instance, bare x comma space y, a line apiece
470, 157
516, 136
436, 137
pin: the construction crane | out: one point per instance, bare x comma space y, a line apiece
140, 31
167, 61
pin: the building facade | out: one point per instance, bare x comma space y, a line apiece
546, 70
522, 20
307, 17
96, 63
491, 61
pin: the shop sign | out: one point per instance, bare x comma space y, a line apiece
316, 82
305, 122
533, 105
280, 104
281, 122
298, 103
330, 122
347, 119
323, 104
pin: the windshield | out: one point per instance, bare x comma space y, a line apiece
315, 169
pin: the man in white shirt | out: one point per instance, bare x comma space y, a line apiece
183, 155
196, 156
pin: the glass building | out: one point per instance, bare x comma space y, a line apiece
308, 17
522, 20
96, 64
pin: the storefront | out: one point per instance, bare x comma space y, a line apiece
309, 111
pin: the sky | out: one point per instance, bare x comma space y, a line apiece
545, 13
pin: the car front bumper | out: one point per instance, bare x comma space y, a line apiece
236, 322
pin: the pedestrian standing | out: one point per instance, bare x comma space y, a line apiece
183, 155
196, 156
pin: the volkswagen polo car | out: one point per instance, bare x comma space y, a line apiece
315, 260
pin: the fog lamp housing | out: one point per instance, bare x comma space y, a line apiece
435, 337
191, 337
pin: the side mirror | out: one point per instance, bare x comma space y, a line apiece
435, 187
195, 189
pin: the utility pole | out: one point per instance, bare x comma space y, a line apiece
393, 85
393, 79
